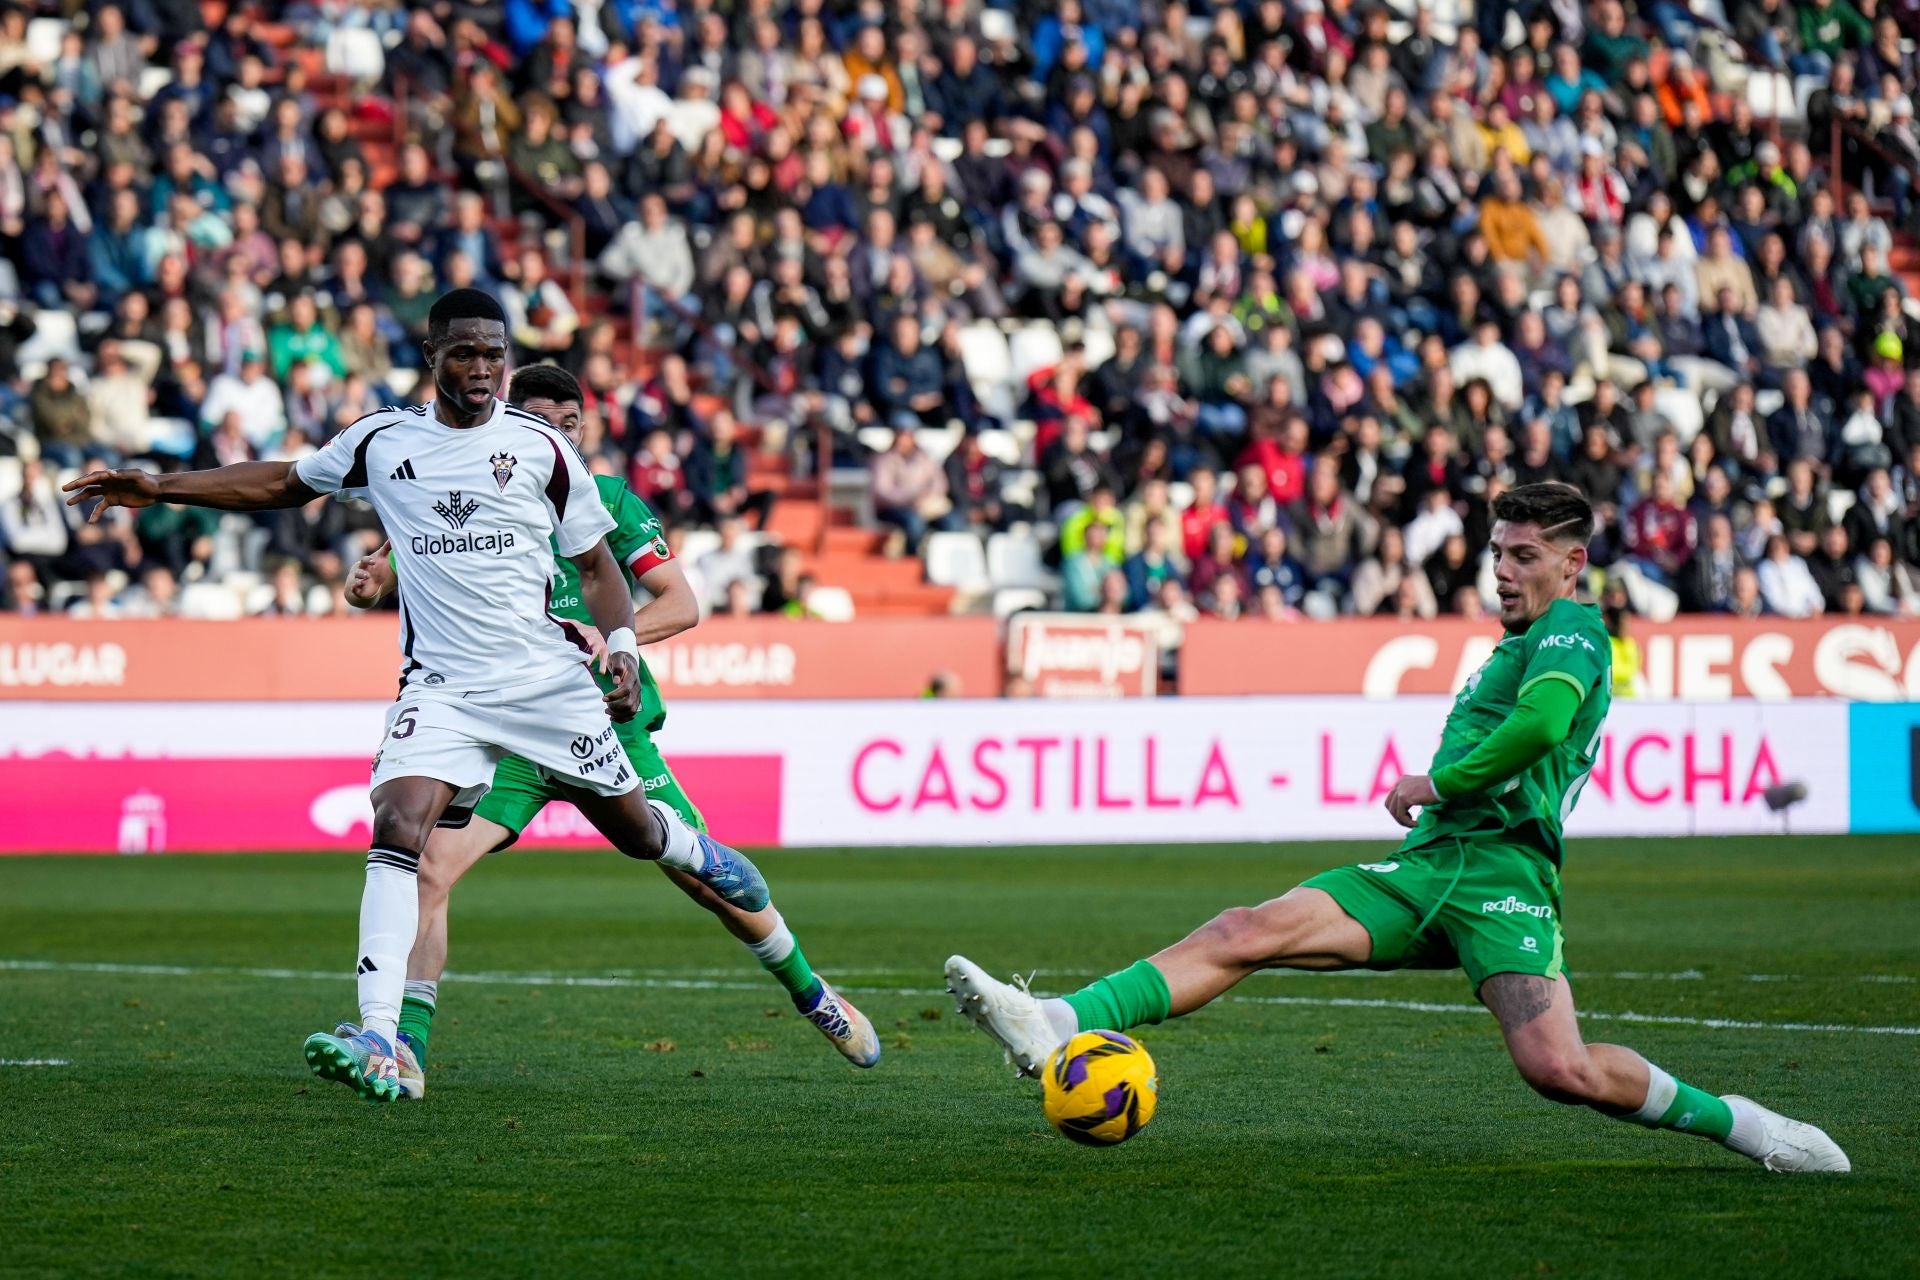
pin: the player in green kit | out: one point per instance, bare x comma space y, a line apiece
520, 789
1475, 885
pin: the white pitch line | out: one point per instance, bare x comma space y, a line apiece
36, 1062
713, 984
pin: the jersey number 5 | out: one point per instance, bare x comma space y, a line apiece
403, 725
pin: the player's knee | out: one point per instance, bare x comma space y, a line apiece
436, 883
1560, 1077
397, 829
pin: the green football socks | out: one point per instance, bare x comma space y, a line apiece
1674, 1104
1130, 998
416, 1016
779, 954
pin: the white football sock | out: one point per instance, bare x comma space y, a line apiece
389, 917
679, 848
426, 991
1066, 1023
776, 946
1661, 1091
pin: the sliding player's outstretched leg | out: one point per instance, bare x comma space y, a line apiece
1303, 929
1543, 1034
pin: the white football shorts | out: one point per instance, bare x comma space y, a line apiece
560, 725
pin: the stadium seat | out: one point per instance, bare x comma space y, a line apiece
210, 600
402, 382
939, 442
831, 604
1839, 502
55, 334
989, 366
1099, 347
1012, 600
875, 439
698, 542
1013, 560
956, 560
1681, 407
1767, 403
44, 36
1180, 494
1002, 447
9, 479
356, 53
153, 80
1771, 95
1033, 348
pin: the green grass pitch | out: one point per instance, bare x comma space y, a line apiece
676, 1117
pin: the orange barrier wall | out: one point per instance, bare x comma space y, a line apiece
357, 658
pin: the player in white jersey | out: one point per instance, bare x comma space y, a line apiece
475, 496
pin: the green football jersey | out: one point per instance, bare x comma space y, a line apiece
1569, 643
639, 544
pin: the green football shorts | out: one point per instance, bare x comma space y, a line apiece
521, 788
1459, 903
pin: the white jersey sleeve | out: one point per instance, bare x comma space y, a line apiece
580, 519
341, 465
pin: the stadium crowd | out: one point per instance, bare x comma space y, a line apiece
1240, 309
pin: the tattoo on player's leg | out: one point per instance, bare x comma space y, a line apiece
1516, 998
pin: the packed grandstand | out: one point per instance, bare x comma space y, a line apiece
1242, 310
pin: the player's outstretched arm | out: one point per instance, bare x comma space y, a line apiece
244, 486
603, 588
673, 609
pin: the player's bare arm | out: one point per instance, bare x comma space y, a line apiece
244, 486
604, 590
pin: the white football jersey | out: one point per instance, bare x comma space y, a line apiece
475, 515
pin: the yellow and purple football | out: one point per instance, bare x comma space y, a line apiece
1100, 1088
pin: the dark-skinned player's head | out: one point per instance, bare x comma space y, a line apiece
466, 348
550, 392
1540, 537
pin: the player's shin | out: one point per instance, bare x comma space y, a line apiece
1677, 1105
1135, 996
389, 916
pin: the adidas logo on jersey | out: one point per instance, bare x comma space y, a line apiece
404, 471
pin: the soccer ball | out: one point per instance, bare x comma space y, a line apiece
1100, 1088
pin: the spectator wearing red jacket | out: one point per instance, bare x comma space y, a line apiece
1205, 511
1660, 533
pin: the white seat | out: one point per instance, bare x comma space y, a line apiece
1033, 348
698, 542
956, 560
1839, 502
1682, 408
213, 600
356, 53
1771, 95
1180, 494
939, 442
1001, 446
44, 36
989, 366
878, 439
153, 80
1768, 403
10, 481
831, 604
1012, 600
1013, 560
1098, 345
402, 382
55, 334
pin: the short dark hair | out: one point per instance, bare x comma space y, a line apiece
462, 304
544, 382
1562, 511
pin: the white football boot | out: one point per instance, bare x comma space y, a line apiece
1008, 1013
1780, 1143
845, 1026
